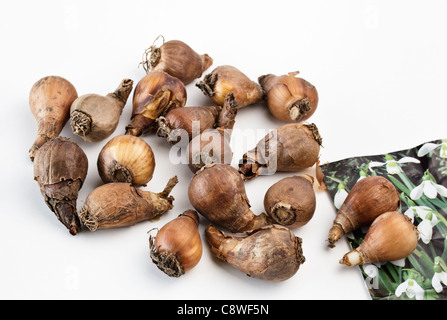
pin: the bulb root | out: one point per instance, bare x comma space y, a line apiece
166, 261
299, 109
121, 173
81, 123
169, 186
283, 213
208, 83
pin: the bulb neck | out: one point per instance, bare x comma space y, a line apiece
138, 125
255, 222
163, 128
123, 91
352, 258
40, 140
207, 61
168, 188
335, 233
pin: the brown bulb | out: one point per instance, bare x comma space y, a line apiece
290, 148
391, 236
290, 99
50, 100
225, 79
154, 96
271, 253
217, 192
177, 59
182, 120
120, 204
369, 198
60, 168
291, 201
94, 117
213, 145
126, 158
177, 247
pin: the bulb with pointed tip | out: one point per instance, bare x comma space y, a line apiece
50, 100
289, 98
213, 145
225, 79
291, 147
271, 253
189, 120
392, 236
126, 158
369, 198
177, 59
60, 168
95, 117
217, 192
291, 201
155, 95
177, 247
120, 204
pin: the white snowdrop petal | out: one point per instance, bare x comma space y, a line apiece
427, 148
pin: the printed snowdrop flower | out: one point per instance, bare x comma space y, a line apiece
411, 288
437, 279
393, 166
340, 196
430, 146
425, 228
416, 211
429, 220
399, 263
429, 187
440, 276
372, 279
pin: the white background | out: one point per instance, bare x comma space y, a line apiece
380, 69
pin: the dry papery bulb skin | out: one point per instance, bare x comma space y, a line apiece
392, 236
50, 100
217, 192
213, 146
271, 253
126, 158
225, 79
155, 95
120, 204
177, 59
95, 117
177, 246
291, 201
369, 198
290, 148
289, 98
60, 168
180, 120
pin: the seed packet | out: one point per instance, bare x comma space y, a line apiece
420, 176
